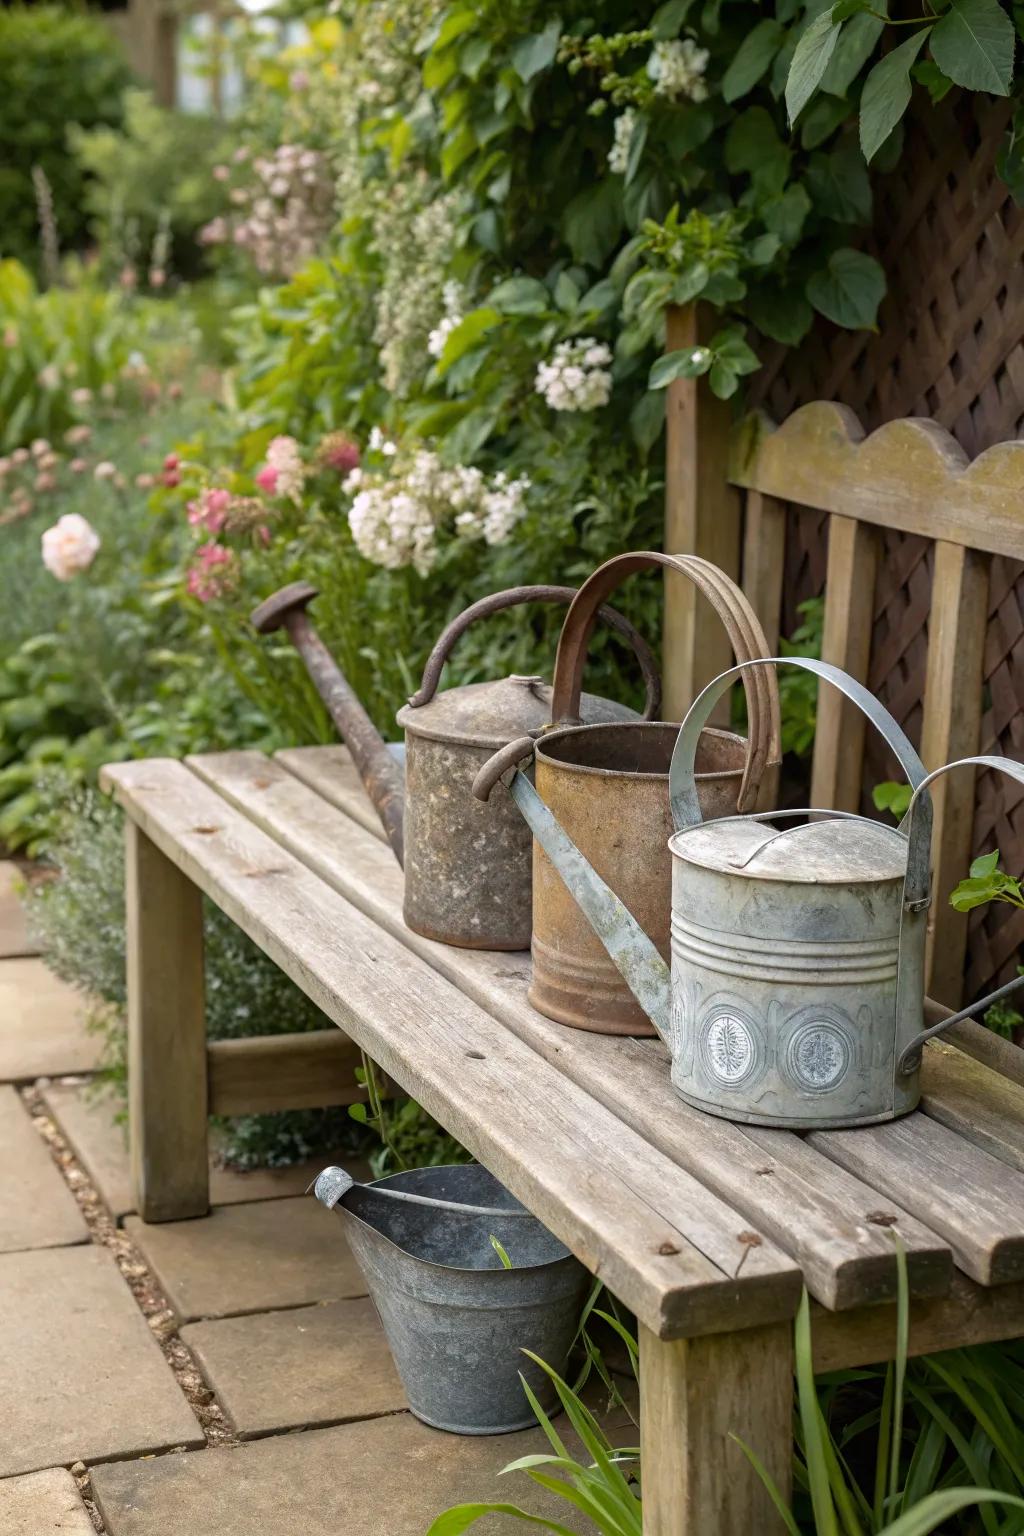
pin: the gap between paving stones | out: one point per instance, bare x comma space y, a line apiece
150, 1299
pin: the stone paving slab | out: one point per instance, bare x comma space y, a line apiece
84, 1378
286, 1370
384, 1477
14, 936
86, 1119
37, 1210
42, 1503
42, 1028
250, 1258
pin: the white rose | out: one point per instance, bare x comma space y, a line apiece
69, 546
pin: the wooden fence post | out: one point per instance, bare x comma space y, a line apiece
702, 517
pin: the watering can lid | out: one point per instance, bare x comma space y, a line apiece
491, 714
850, 851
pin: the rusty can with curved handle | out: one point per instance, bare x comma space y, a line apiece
607, 785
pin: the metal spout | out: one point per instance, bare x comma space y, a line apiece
635, 956
381, 775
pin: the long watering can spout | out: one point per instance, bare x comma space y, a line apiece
379, 771
635, 956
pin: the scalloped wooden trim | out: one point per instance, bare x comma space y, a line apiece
909, 475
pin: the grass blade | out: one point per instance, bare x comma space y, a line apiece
810, 1417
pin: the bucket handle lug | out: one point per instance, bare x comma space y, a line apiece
518, 754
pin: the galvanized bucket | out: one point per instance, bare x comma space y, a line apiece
455, 1318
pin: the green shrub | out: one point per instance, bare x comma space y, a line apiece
57, 67
149, 184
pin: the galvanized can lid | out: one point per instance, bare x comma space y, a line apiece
491, 714
847, 851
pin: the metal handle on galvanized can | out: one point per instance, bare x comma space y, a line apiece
512, 597
741, 624
682, 773
915, 890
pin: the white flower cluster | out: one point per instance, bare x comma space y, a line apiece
625, 128
454, 300
285, 460
282, 215
677, 69
576, 377
395, 522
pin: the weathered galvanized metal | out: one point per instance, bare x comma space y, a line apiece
796, 991
467, 866
456, 1319
607, 785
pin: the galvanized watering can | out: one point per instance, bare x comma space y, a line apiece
467, 866
796, 991
607, 786
456, 1319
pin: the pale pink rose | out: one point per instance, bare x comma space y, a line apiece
221, 173
145, 482
266, 479
78, 466
20, 456
69, 546
75, 436
39, 447
46, 482
105, 470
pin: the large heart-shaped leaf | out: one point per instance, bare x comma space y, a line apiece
973, 44
849, 290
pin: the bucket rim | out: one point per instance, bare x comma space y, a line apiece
556, 732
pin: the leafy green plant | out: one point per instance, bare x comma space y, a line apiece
57, 66
892, 796
601, 1488
798, 690
986, 882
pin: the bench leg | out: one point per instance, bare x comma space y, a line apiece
167, 1089
694, 1393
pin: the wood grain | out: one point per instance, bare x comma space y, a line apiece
974, 1101
664, 1244
270, 1072
846, 642
950, 730
702, 517
970, 1314
815, 1210
909, 475
167, 1094
695, 1396
972, 1200
764, 561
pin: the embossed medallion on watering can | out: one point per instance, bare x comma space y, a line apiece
796, 991
467, 866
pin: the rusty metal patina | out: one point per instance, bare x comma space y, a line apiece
467, 865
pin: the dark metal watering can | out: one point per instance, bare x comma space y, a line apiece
796, 991
456, 1319
467, 865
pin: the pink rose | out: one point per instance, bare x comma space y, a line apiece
172, 461
69, 546
266, 479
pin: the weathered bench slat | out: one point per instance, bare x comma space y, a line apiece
264, 1073
335, 763
984, 1045
808, 1205
970, 1314
973, 1201
643, 1225
974, 1101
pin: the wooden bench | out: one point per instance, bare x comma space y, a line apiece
707, 1230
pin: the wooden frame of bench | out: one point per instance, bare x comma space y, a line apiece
703, 1228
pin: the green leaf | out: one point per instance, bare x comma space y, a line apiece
647, 418
764, 249
567, 295
668, 18
886, 94
637, 145
849, 290
465, 336
938, 1507
934, 81
973, 44
1010, 159
687, 363
690, 284
852, 52
752, 144
536, 52
839, 184
821, 120
454, 1521
724, 381
592, 222
520, 296
810, 61
986, 864
892, 796
730, 347
784, 216
783, 314
752, 58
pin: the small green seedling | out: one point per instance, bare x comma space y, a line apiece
987, 882
500, 1251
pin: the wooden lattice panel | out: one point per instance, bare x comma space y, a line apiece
899, 647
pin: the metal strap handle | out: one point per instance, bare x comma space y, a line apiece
741, 624
511, 598
682, 779
915, 890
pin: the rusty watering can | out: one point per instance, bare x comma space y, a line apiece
467, 866
796, 993
607, 786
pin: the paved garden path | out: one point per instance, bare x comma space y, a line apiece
154, 1378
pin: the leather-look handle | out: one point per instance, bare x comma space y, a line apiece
511, 598
742, 625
